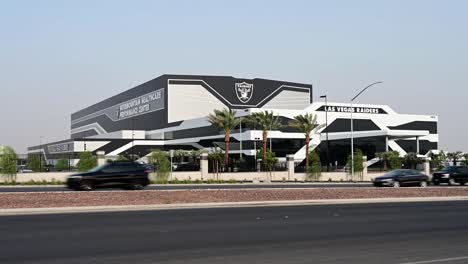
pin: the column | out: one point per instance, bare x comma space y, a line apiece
417, 145
386, 143
101, 157
364, 166
204, 165
290, 165
427, 167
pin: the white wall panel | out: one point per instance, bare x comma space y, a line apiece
289, 100
190, 101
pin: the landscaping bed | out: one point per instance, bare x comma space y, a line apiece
149, 197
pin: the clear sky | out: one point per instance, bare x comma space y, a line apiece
57, 57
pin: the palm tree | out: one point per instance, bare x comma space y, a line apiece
266, 121
454, 156
225, 120
306, 124
412, 159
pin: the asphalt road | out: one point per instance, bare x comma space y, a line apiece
195, 186
413, 233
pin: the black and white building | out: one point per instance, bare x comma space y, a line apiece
169, 112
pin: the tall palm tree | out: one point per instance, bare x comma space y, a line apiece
225, 120
454, 156
266, 121
306, 124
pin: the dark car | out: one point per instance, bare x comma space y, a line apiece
451, 175
397, 178
129, 175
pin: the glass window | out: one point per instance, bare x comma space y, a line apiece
98, 168
450, 169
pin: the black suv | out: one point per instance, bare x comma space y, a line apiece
129, 175
451, 175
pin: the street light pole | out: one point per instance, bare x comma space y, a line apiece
40, 153
240, 133
326, 132
133, 140
84, 134
352, 132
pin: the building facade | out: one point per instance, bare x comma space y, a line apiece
169, 112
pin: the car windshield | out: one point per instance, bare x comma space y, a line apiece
97, 168
449, 169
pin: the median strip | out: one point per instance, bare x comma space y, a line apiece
210, 196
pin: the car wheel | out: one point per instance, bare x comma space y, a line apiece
436, 183
451, 181
86, 186
396, 184
423, 184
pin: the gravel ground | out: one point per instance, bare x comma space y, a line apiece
102, 198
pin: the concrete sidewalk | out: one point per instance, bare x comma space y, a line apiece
125, 208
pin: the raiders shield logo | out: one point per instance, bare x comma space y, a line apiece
244, 91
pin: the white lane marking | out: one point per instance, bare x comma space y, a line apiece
436, 260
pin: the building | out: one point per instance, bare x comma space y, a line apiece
169, 112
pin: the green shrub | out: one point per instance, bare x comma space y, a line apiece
61, 165
315, 166
87, 161
8, 160
163, 166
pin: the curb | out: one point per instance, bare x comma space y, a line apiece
162, 207
211, 184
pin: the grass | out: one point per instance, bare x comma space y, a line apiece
32, 182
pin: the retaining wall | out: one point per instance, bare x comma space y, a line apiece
196, 175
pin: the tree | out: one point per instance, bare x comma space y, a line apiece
412, 159
217, 159
8, 160
358, 163
306, 124
465, 156
315, 168
61, 165
266, 121
179, 155
87, 161
270, 161
121, 158
437, 160
225, 120
36, 162
162, 164
454, 156
391, 159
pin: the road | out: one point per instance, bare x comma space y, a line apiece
413, 233
196, 186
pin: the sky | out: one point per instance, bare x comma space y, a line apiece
57, 57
